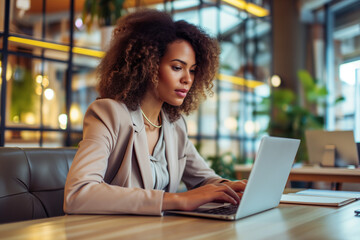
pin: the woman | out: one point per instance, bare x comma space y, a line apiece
135, 149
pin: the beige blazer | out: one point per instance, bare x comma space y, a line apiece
111, 172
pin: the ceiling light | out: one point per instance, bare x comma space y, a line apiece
55, 46
249, 7
240, 81
275, 81
49, 94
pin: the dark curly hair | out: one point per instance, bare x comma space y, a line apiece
139, 41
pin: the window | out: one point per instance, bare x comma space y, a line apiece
47, 77
51, 58
343, 64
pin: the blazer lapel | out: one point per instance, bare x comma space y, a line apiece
141, 149
170, 152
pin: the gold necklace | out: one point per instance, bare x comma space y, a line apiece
156, 126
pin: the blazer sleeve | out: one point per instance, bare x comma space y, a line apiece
197, 172
86, 191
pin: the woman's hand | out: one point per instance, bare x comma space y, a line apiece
190, 200
237, 186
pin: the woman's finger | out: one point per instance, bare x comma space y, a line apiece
222, 197
238, 186
229, 191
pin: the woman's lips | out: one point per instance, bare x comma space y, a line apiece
181, 92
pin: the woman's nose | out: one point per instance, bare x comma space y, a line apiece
187, 78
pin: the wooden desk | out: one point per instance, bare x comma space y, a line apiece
312, 174
283, 222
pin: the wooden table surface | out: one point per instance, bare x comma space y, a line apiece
284, 222
337, 175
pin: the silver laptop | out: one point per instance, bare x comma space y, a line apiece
265, 185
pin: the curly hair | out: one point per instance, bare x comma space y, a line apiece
131, 63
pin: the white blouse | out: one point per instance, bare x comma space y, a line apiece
158, 164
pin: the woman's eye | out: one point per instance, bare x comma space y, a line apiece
176, 68
193, 71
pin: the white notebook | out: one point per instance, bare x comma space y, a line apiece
330, 193
294, 198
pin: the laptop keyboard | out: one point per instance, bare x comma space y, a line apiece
225, 210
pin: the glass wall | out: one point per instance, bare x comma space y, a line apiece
227, 122
49, 79
83, 88
41, 20
53, 52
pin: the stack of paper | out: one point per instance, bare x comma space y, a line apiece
321, 197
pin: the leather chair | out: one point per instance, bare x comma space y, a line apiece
32, 182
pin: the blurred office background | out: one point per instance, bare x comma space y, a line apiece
286, 66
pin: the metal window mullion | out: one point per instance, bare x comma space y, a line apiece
69, 75
29, 55
330, 72
3, 73
43, 35
245, 90
200, 112
253, 95
217, 122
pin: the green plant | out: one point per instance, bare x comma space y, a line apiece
23, 93
223, 165
292, 115
107, 12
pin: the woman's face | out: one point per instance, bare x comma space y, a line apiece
176, 72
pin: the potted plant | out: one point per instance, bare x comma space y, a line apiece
105, 13
293, 115
223, 165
